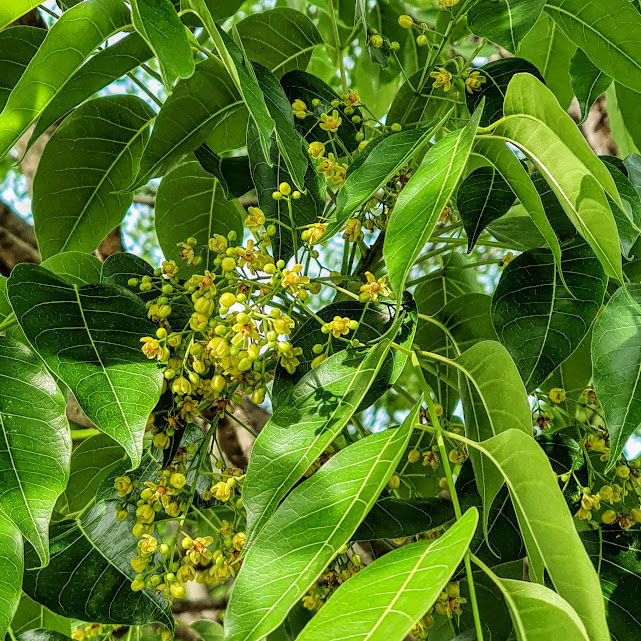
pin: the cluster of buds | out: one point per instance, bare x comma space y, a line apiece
93, 630
598, 443
429, 456
219, 566
327, 164
377, 41
227, 486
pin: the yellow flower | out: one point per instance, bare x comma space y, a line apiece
169, 268
442, 78
556, 395
506, 260
331, 123
339, 326
351, 98
352, 230
299, 109
474, 81
314, 233
255, 220
405, 21
374, 288
124, 485
376, 41
316, 149
448, 3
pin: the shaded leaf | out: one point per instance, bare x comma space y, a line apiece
190, 203
280, 39
90, 338
208, 630
31, 615
34, 443
11, 566
75, 268
588, 82
627, 217
87, 25
233, 173
616, 354
93, 154
398, 589
536, 318
307, 530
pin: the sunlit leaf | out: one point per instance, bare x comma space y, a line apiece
11, 566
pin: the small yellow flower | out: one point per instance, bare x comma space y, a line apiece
169, 268
442, 78
376, 41
313, 234
374, 288
331, 122
506, 260
255, 220
351, 98
448, 3
339, 326
352, 230
299, 109
556, 395
316, 149
474, 81
124, 485
405, 21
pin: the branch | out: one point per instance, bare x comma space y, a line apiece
200, 605
17, 240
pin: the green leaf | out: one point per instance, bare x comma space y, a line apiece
484, 196
42, 634
99, 71
607, 34
10, 12
624, 117
300, 85
208, 630
548, 527
517, 232
91, 462
398, 589
538, 612
538, 126
307, 530
158, 23
290, 144
550, 50
11, 566
392, 518
410, 109
267, 174
422, 200
497, 76
34, 443
75, 204
243, 77
90, 338
86, 25
75, 268
536, 318
628, 217
487, 376
190, 202
616, 555
588, 82
372, 169
188, 115
280, 39
374, 322
17, 46
505, 22
616, 354
31, 615
233, 173
301, 427
89, 576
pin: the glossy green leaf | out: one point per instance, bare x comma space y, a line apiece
75, 268
505, 22
365, 177
75, 204
588, 82
11, 567
17, 46
208, 630
120, 267
392, 518
616, 555
410, 109
267, 174
242, 76
89, 576
421, 202
31, 615
300, 85
517, 232
487, 376
540, 128
397, 588
100, 70
158, 23
34, 443
188, 115
190, 202
86, 25
562, 225
311, 417
548, 527
550, 50
289, 141
627, 217
608, 34
484, 196
91, 462
538, 613
616, 354
497, 74
280, 39
536, 318
90, 338
11, 11
308, 529
233, 173
374, 322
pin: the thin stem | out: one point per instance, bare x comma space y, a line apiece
143, 87
8, 322
147, 69
337, 45
79, 435
204, 518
